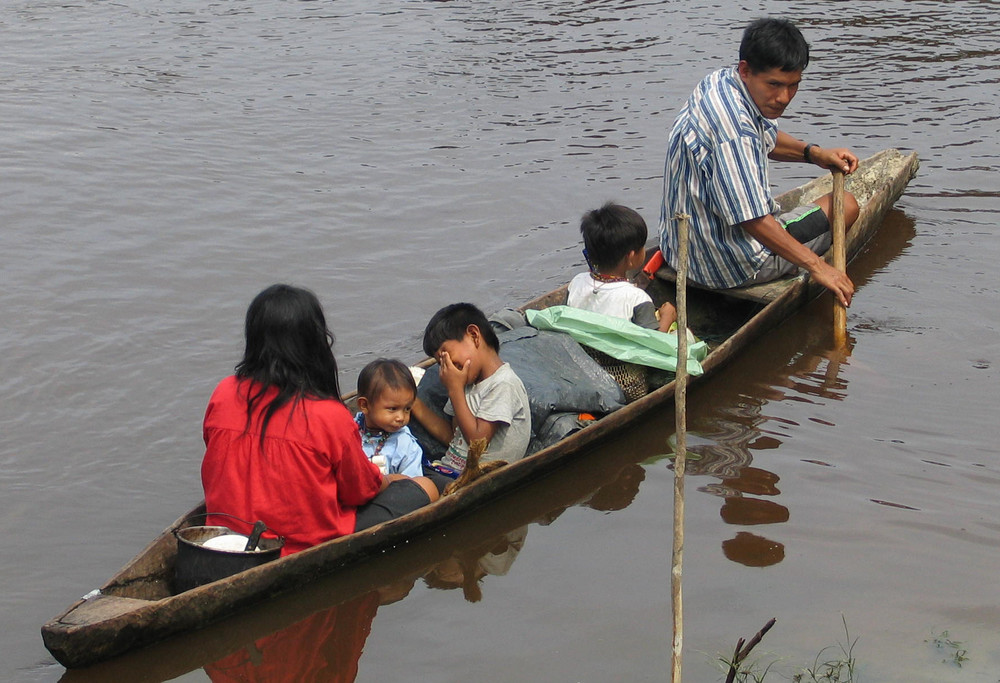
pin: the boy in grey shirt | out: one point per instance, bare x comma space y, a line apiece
486, 398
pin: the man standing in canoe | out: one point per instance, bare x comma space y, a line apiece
716, 172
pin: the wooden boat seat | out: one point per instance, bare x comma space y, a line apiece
763, 293
100, 608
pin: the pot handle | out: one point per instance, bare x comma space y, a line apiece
258, 528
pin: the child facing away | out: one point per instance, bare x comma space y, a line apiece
486, 399
386, 392
614, 240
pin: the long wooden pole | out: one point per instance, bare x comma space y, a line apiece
839, 256
680, 461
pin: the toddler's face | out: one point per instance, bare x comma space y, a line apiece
390, 411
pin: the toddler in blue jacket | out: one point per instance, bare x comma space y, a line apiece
386, 392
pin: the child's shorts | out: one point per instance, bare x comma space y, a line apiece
399, 497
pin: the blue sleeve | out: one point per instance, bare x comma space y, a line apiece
408, 458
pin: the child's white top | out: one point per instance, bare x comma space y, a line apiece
616, 299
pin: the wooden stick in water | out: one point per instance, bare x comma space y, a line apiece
839, 256
680, 461
743, 652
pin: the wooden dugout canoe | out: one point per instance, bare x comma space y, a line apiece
137, 606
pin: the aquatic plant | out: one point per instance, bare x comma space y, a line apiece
839, 668
746, 671
959, 653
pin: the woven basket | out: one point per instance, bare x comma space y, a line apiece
629, 376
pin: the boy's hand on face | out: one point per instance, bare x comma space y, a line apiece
454, 378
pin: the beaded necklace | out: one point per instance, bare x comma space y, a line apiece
598, 277
377, 439
601, 280
371, 437
607, 278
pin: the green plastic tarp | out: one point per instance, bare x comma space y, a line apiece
619, 338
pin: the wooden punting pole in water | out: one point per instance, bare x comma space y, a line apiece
680, 460
839, 256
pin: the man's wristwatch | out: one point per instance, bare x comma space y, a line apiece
805, 153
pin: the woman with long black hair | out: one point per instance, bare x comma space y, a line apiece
282, 447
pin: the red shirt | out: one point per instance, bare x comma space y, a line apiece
306, 482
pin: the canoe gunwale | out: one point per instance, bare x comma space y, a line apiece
76, 641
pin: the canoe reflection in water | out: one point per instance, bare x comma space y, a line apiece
466, 568
327, 645
323, 647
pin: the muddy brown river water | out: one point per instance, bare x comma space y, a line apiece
165, 160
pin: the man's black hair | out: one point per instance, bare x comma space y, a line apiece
771, 43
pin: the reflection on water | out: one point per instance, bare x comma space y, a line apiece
724, 443
323, 647
724, 438
327, 645
466, 568
750, 511
753, 550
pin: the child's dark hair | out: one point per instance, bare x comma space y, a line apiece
451, 324
771, 43
610, 233
382, 373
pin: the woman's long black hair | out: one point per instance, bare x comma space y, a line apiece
288, 346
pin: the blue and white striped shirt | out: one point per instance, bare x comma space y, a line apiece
716, 173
